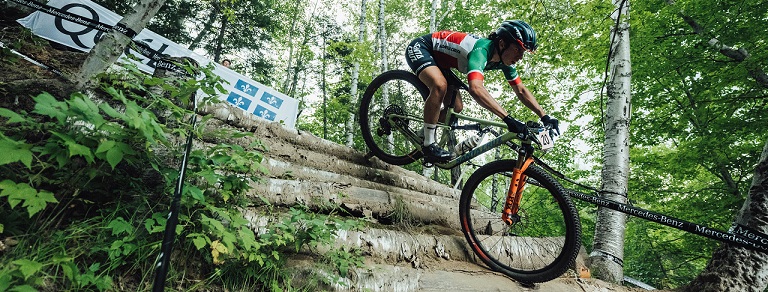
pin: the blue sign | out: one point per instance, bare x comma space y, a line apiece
272, 100
264, 113
238, 100
246, 87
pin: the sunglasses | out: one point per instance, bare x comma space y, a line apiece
523, 46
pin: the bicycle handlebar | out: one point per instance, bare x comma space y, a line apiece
534, 130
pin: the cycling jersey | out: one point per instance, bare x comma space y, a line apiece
449, 49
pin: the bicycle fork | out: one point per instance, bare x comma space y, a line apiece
515, 193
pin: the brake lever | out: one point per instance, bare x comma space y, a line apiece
533, 136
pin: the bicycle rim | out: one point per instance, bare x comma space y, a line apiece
394, 92
542, 245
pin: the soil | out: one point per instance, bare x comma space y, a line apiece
21, 78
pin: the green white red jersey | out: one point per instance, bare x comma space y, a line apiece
469, 54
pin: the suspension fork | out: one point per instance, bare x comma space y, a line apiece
516, 186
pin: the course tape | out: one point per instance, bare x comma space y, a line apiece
159, 58
33, 61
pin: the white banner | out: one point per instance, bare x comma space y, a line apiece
246, 94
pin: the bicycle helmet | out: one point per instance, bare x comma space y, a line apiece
519, 31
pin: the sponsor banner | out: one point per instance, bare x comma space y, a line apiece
251, 96
244, 93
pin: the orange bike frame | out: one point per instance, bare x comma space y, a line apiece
516, 186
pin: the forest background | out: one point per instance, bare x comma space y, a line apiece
698, 116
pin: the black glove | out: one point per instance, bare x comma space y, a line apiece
515, 126
552, 122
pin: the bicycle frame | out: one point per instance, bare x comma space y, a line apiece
477, 151
517, 183
518, 179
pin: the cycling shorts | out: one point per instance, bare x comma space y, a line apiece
418, 54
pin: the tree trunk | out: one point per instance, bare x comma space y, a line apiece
456, 171
737, 268
325, 97
433, 16
355, 77
113, 44
384, 64
220, 38
208, 26
287, 83
606, 259
383, 42
447, 8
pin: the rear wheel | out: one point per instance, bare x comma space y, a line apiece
543, 241
395, 92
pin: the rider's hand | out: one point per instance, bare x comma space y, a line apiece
552, 122
515, 125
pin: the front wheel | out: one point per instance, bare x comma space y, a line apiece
544, 239
393, 93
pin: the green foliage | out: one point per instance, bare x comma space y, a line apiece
696, 137
264, 255
82, 152
84, 169
71, 143
344, 259
33, 200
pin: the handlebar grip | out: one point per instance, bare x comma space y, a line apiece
532, 124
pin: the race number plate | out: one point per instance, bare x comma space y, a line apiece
546, 141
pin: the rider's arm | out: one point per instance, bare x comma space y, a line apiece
481, 95
523, 94
477, 59
526, 97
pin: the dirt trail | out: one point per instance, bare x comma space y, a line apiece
462, 276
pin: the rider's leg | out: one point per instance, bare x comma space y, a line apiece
435, 81
457, 107
418, 55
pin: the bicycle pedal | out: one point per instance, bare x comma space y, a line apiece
427, 164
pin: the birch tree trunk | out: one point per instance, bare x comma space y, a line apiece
355, 77
112, 45
291, 32
384, 65
383, 45
433, 16
736, 268
323, 80
606, 259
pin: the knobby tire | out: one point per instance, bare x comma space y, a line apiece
542, 245
406, 95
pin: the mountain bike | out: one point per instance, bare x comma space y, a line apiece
515, 216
